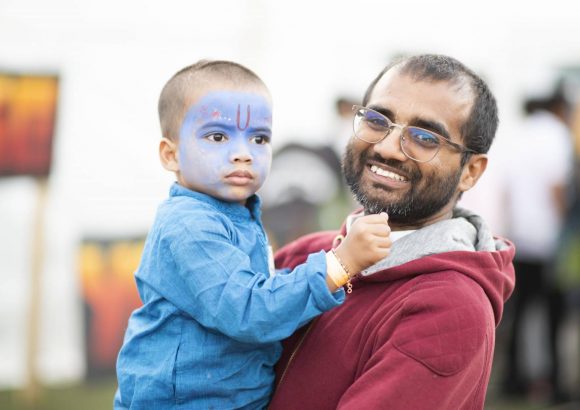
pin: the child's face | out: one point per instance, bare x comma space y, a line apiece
224, 144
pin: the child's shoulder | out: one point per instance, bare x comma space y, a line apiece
190, 213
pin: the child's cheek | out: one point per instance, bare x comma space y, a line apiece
197, 164
262, 163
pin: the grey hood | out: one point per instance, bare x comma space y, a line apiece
465, 231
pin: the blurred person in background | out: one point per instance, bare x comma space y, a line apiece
568, 262
568, 274
300, 199
537, 177
342, 124
418, 330
312, 196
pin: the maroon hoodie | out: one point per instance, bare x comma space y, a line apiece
417, 335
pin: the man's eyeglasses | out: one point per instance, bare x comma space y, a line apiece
417, 143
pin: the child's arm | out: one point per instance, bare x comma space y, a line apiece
207, 277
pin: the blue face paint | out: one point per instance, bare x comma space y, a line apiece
224, 145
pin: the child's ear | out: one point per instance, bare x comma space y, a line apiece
168, 155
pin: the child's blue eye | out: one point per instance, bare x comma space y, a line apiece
260, 139
217, 137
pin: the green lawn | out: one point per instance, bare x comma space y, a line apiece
96, 395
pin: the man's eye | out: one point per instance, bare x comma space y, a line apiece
260, 139
376, 122
216, 137
423, 137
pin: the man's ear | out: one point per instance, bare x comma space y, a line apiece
472, 171
168, 155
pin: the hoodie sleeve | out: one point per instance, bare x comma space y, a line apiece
439, 354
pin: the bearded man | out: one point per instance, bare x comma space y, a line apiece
418, 329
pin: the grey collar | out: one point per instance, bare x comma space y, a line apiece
465, 231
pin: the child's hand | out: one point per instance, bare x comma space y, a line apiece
368, 241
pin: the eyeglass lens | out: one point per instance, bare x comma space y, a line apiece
417, 143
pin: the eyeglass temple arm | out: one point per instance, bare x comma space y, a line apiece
459, 147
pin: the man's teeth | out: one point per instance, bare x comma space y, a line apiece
388, 174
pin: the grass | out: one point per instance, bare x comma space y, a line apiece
96, 395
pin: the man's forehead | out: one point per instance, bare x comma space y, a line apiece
395, 79
397, 91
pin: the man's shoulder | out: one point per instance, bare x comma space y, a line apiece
445, 322
298, 250
446, 292
448, 289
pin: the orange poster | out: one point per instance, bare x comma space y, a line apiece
110, 295
27, 120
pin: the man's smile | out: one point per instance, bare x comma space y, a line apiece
388, 174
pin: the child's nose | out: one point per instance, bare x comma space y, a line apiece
241, 154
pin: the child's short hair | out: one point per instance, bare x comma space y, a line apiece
174, 98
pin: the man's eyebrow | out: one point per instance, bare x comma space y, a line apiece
431, 126
385, 111
417, 122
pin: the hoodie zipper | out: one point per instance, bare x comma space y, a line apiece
310, 326
337, 240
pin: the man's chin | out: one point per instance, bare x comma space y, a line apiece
383, 196
375, 205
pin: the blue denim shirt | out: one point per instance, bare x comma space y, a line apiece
207, 335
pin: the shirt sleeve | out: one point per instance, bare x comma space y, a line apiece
213, 282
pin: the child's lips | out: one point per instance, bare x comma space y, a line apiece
240, 177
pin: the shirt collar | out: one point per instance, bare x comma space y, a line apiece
232, 209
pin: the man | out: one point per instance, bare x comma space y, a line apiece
418, 329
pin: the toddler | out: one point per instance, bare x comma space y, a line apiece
214, 310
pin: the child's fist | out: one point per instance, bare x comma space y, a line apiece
367, 242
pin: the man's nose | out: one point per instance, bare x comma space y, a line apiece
390, 146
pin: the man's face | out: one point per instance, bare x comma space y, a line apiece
224, 144
383, 179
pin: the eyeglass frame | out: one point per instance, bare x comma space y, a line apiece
460, 148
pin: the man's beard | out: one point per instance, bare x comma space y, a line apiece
419, 203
